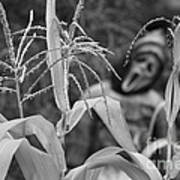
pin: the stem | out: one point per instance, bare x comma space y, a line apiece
9, 42
18, 94
66, 83
169, 151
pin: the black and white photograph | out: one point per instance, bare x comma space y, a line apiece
89, 90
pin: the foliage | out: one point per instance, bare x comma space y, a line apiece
65, 44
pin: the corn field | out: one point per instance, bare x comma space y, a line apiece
68, 45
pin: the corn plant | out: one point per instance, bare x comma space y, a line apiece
64, 45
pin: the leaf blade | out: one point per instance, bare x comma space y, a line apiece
53, 42
118, 126
35, 164
46, 134
8, 148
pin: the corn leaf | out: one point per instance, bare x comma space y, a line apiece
176, 48
138, 161
175, 100
139, 167
2, 119
8, 125
122, 164
83, 173
151, 148
175, 162
46, 134
75, 114
35, 164
103, 153
78, 173
117, 125
53, 42
112, 173
44, 131
172, 95
147, 165
8, 148
95, 174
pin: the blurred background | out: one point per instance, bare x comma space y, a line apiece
112, 23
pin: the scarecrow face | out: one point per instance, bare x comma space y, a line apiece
142, 72
146, 63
